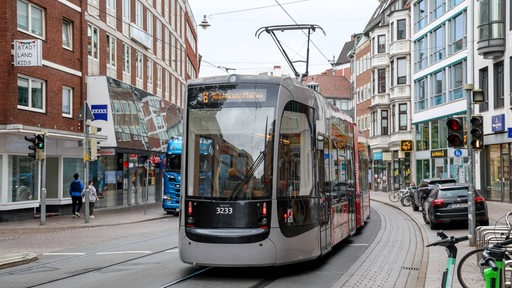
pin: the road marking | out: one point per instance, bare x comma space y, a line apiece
123, 252
356, 244
172, 250
63, 254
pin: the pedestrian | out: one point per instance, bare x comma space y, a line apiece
75, 191
93, 196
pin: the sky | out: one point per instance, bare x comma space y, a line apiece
230, 44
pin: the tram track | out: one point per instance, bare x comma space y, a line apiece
95, 269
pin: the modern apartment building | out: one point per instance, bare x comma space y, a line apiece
128, 59
440, 69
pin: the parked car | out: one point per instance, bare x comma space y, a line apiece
423, 190
448, 203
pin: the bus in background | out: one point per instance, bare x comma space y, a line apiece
172, 176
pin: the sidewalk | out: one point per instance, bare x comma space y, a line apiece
436, 258
103, 217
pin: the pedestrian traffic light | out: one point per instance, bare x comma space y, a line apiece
455, 132
33, 147
37, 146
477, 132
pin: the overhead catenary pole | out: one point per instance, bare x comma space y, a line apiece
86, 163
42, 218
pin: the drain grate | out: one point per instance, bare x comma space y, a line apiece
410, 268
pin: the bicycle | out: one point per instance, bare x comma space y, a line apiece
406, 197
449, 244
489, 262
394, 196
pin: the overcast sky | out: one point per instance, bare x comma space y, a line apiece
230, 41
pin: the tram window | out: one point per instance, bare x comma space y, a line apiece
295, 154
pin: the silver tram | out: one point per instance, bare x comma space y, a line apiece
272, 173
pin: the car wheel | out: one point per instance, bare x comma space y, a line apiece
425, 218
433, 225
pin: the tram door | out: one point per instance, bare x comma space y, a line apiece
349, 191
324, 197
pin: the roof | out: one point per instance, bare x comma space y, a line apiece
343, 57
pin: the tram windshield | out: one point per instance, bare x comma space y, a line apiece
229, 142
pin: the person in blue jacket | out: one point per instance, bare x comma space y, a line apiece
75, 191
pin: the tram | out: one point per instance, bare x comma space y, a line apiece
284, 179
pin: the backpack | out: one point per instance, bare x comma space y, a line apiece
75, 186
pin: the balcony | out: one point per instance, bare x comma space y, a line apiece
399, 92
380, 60
492, 40
400, 47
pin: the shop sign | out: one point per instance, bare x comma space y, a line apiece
406, 145
387, 156
498, 123
438, 153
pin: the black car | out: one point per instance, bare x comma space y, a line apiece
421, 192
448, 203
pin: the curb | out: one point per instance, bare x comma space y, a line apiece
15, 259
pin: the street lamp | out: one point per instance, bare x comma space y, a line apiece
204, 24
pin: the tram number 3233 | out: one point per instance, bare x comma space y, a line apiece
224, 210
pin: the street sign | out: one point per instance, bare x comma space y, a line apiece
88, 113
457, 153
509, 132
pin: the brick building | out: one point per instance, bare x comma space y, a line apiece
142, 50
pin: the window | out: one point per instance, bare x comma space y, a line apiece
139, 66
92, 42
150, 72
111, 13
438, 88
491, 23
126, 10
499, 88
458, 33
438, 7
374, 124
67, 101
384, 122
484, 85
402, 117
139, 16
381, 44
31, 93
421, 99
438, 44
401, 71
401, 29
421, 56
381, 80
111, 51
457, 81
126, 58
421, 15
30, 18
67, 34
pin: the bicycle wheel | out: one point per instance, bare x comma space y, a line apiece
469, 272
394, 196
406, 200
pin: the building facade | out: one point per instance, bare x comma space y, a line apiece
492, 74
383, 93
440, 69
57, 47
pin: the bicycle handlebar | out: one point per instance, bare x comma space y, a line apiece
445, 242
491, 263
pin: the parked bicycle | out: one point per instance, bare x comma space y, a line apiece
449, 244
485, 267
402, 195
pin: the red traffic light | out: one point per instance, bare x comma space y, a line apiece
454, 124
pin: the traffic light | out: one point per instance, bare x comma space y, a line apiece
455, 132
477, 132
33, 147
37, 146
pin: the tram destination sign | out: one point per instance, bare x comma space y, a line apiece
235, 95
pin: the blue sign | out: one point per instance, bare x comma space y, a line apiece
498, 123
509, 132
457, 153
100, 112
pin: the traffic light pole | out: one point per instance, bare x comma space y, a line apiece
471, 171
43, 183
86, 163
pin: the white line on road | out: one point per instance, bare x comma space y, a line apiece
123, 252
63, 254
